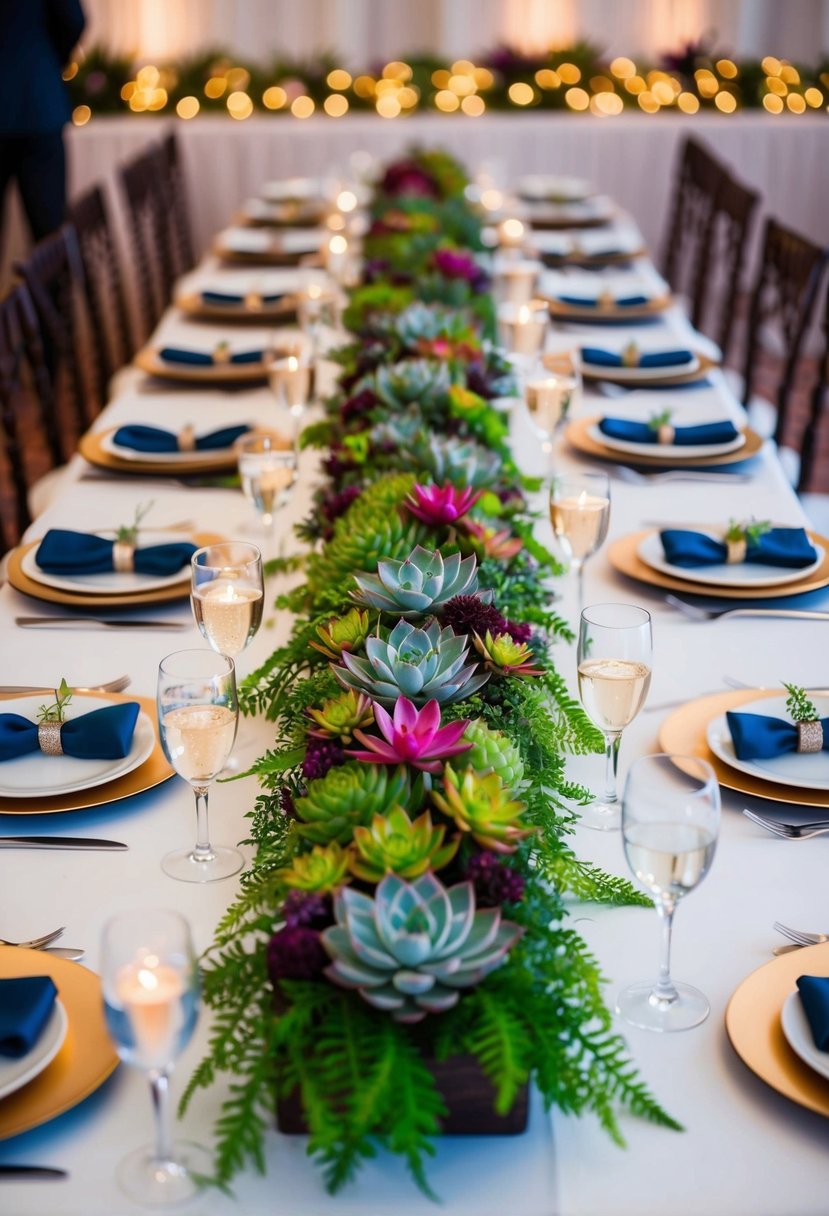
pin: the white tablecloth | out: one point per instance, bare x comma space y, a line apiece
746, 1151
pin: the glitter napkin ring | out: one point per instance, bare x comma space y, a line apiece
187, 439
48, 738
736, 552
666, 433
809, 736
123, 557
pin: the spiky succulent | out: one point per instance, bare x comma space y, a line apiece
492, 542
399, 430
409, 949
418, 585
396, 845
504, 657
421, 664
322, 870
483, 806
348, 796
413, 737
340, 716
464, 463
492, 752
441, 505
420, 380
342, 633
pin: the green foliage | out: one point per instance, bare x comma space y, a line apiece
750, 531
800, 707
55, 711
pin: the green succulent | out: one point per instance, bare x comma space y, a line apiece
421, 664
492, 751
395, 844
414, 380
400, 430
483, 806
464, 463
408, 950
427, 321
349, 796
342, 633
418, 585
341, 716
322, 870
504, 656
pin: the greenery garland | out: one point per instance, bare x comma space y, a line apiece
412, 858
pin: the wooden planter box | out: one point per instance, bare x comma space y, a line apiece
468, 1095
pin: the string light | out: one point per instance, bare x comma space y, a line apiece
302, 106
338, 79
473, 106
188, 107
335, 105
81, 115
521, 93
274, 98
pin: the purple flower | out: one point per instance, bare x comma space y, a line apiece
295, 953
335, 506
286, 802
519, 631
358, 405
467, 614
435, 505
455, 264
494, 881
302, 909
320, 756
407, 177
412, 737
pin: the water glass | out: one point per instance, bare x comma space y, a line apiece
580, 515
268, 470
227, 594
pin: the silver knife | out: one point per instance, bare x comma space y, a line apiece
57, 622
71, 953
35, 1172
59, 842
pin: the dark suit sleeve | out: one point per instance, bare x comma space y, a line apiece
66, 24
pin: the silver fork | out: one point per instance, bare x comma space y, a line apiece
635, 478
695, 613
789, 831
733, 682
111, 686
37, 943
800, 937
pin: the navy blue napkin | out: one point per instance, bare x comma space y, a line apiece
655, 358
684, 436
786, 547
230, 297
814, 994
64, 552
204, 358
103, 734
153, 439
26, 1004
595, 302
759, 737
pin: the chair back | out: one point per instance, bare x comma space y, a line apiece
145, 201
178, 210
809, 462
687, 251
718, 280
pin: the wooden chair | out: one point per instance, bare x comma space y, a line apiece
816, 502
145, 199
178, 213
112, 341
718, 279
687, 249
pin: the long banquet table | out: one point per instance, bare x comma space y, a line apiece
746, 1151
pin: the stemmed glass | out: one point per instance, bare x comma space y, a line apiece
268, 469
670, 821
198, 712
227, 594
580, 515
151, 994
289, 376
614, 668
551, 384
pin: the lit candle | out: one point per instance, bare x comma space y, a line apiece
523, 329
150, 993
492, 199
511, 234
336, 254
228, 612
580, 521
517, 281
291, 378
346, 200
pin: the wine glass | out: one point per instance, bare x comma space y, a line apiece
580, 515
522, 328
670, 821
150, 984
227, 594
289, 376
198, 712
614, 669
268, 469
550, 385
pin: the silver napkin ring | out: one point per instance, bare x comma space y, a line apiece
48, 738
809, 736
187, 439
666, 433
736, 552
123, 557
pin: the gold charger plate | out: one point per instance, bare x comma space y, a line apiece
198, 373
606, 374
553, 223
562, 311
82, 599
194, 306
87, 1056
588, 260
683, 733
151, 773
752, 1022
578, 434
624, 557
260, 257
91, 447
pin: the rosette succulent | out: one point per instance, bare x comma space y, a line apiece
348, 796
464, 463
493, 542
421, 664
505, 657
322, 870
412, 737
418, 585
492, 752
440, 505
394, 844
341, 716
409, 949
484, 807
414, 380
342, 633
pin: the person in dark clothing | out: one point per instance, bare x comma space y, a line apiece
36, 39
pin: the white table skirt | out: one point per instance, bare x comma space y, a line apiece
746, 1151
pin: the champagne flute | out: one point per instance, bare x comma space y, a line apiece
580, 515
614, 669
268, 469
522, 328
289, 377
198, 712
670, 821
551, 385
227, 594
150, 984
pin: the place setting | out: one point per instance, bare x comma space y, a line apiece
140, 449
591, 249
591, 211
260, 246
283, 213
643, 364
594, 299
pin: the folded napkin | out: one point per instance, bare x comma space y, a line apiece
103, 734
153, 439
786, 547
205, 358
26, 1004
64, 552
758, 737
655, 358
603, 302
814, 996
229, 297
554, 258
683, 436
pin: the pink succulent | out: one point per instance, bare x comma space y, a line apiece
441, 504
412, 737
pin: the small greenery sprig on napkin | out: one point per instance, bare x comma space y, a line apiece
800, 708
127, 534
749, 532
657, 421
54, 712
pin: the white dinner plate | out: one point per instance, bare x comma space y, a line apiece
115, 582
259, 240
667, 451
636, 374
798, 1034
292, 189
195, 457
597, 208
14, 1074
809, 771
554, 188
39, 776
741, 574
